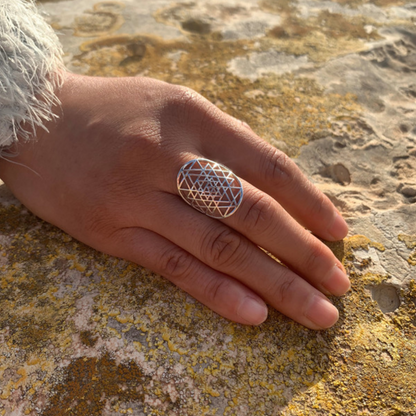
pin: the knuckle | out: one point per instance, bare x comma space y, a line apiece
214, 289
181, 106
182, 98
314, 258
320, 205
185, 94
282, 290
276, 166
224, 248
259, 214
176, 263
193, 109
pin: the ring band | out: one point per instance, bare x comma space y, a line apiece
210, 188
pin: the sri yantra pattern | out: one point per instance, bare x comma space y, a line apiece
210, 188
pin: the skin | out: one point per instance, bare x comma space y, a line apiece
105, 173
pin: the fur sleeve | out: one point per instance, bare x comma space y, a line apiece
30, 70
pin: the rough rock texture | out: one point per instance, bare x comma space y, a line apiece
330, 83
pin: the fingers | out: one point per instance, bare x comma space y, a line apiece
265, 223
219, 292
262, 220
272, 171
223, 249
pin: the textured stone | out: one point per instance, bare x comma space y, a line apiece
331, 84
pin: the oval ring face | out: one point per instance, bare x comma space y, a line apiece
210, 188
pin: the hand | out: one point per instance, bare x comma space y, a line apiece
106, 174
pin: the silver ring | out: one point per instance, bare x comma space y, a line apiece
210, 188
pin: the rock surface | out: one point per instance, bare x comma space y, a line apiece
331, 83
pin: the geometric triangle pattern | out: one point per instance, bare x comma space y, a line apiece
210, 188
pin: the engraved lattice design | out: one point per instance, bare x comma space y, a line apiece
210, 188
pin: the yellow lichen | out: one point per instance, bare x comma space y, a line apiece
366, 363
410, 241
361, 241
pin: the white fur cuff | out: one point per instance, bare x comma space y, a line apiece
30, 70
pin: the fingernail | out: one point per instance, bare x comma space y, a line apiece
252, 311
337, 282
339, 228
322, 312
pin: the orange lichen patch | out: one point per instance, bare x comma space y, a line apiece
91, 384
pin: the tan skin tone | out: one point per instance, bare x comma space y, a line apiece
106, 174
